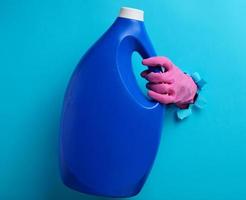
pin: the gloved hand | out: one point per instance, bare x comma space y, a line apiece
170, 86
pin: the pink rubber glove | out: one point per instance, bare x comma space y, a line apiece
171, 86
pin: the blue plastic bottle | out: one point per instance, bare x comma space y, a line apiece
110, 131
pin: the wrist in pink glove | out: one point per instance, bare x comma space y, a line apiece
170, 86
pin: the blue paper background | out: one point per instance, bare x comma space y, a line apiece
203, 157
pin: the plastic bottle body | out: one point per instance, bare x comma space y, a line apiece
110, 131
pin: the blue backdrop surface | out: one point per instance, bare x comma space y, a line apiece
203, 157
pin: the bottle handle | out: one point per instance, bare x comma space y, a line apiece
146, 50
127, 47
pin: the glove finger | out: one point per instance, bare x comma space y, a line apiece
145, 73
159, 77
167, 79
157, 62
160, 88
162, 98
154, 77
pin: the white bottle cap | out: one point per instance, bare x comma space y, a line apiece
131, 13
